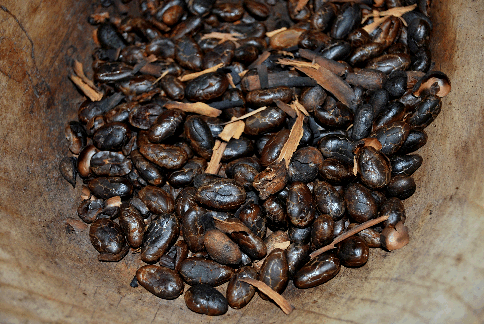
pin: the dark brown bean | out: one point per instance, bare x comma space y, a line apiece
268, 120
200, 136
206, 87
185, 200
120, 114
363, 122
229, 12
418, 35
143, 117
353, 252
221, 248
393, 112
373, 167
108, 239
105, 163
157, 200
68, 169
111, 137
159, 237
222, 53
297, 255
300, 235
305, 163
107, 187
188, 27
337, 146
252, 216
392, 136
239, 293
358, 37
335, 171
415, 140
365, 52
188, 54
193, 225
401, 186
109, 37
405, 164
318, 271
133, 226
207, 300
348, 19
161, 47
76, 136
276, 211
299, 205
89, 209
425, 113
272, 180
337, 51
266, 97
248, 242
109, 72
160, 281
360, 203
322, 231
369, 235
275, 272
273, 147
329, 200
197, 270
95, 123
390, 62
221, 194
147, 170
238, 148
173, 87
395, 210
244, 175
137, 85
313, 97
166, 156
186, 175
313, 39
246, 54
257, 9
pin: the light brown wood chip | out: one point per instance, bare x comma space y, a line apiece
350, 233
284, 61
196, 107
86, 89
286, 108
300, 5
223, 36
293, 141
274, 32
79, 71
277, 298
246, 115
331, 82
195, 75
232, 130
214, 164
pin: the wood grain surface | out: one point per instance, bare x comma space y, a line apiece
49, 271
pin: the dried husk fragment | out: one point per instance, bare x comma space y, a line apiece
331, 82
195, 75
350, 233
277, 298
196, 107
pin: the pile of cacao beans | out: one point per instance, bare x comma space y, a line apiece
143, 163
